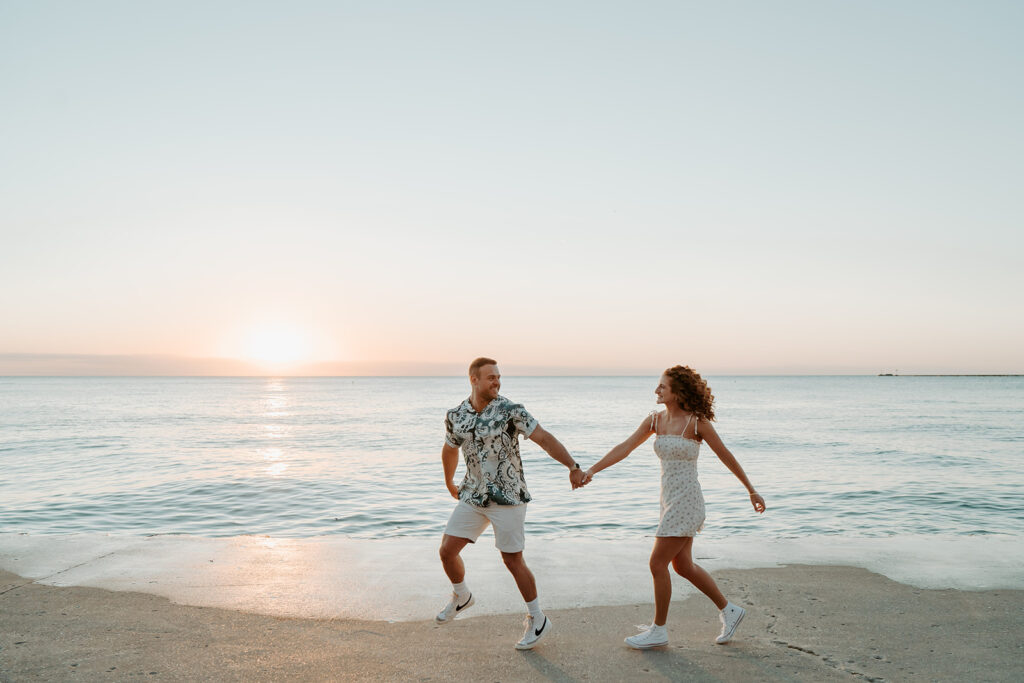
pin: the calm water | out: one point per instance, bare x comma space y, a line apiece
359, 457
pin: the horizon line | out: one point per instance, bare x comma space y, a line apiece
20, 364
554, 376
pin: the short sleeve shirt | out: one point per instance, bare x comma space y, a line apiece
490, 446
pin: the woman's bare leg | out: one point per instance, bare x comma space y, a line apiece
684, 565
665, 549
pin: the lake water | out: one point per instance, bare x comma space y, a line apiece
841, 461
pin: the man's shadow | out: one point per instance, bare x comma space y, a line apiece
546, 669
669, 663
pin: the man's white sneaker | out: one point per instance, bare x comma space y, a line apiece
454, 608
730, 617
533, 633
652, 636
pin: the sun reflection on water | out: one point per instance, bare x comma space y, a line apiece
276, 402
274, 431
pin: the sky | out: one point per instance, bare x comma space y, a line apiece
570, 187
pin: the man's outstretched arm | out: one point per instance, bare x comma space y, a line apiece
556, 450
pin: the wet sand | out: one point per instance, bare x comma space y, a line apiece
814, 623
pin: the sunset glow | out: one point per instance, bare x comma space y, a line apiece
749, 191
277, 345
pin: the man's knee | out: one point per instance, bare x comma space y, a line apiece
450, 548
445, 553
513, 560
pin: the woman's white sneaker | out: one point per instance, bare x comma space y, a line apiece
454, 608
730, 617
652, 636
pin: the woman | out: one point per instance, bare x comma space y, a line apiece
679, 431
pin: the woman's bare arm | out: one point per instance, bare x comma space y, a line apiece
711, 438
642, 433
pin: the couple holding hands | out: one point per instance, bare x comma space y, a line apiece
486, 426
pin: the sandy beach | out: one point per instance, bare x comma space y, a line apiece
804, 623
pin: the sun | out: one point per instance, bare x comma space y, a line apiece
277, 345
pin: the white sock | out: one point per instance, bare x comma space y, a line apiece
460, 589
534, 607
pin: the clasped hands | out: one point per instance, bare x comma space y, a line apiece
580, 478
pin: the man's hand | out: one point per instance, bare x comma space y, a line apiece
453, 489
577, 478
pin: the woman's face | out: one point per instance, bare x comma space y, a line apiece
664, 391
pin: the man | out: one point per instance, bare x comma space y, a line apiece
487, 427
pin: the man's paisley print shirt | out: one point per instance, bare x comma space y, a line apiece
490, 447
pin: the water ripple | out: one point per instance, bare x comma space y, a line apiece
224, 457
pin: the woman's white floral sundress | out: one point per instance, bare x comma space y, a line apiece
682, 500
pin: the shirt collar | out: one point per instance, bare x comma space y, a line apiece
468, 405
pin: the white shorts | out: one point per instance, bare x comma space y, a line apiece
509, 522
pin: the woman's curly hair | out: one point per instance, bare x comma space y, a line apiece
693, 392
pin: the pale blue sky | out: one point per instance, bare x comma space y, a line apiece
742, 186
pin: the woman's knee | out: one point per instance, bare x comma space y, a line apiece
657, 565
683, 568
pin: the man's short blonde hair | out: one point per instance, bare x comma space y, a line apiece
475, 366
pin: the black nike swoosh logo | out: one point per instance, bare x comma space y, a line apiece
458, 607
538, 631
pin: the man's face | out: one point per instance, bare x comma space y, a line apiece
487, 382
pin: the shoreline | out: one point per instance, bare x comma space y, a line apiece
804, 623
400, 579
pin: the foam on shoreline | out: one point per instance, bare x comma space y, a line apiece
400, 579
